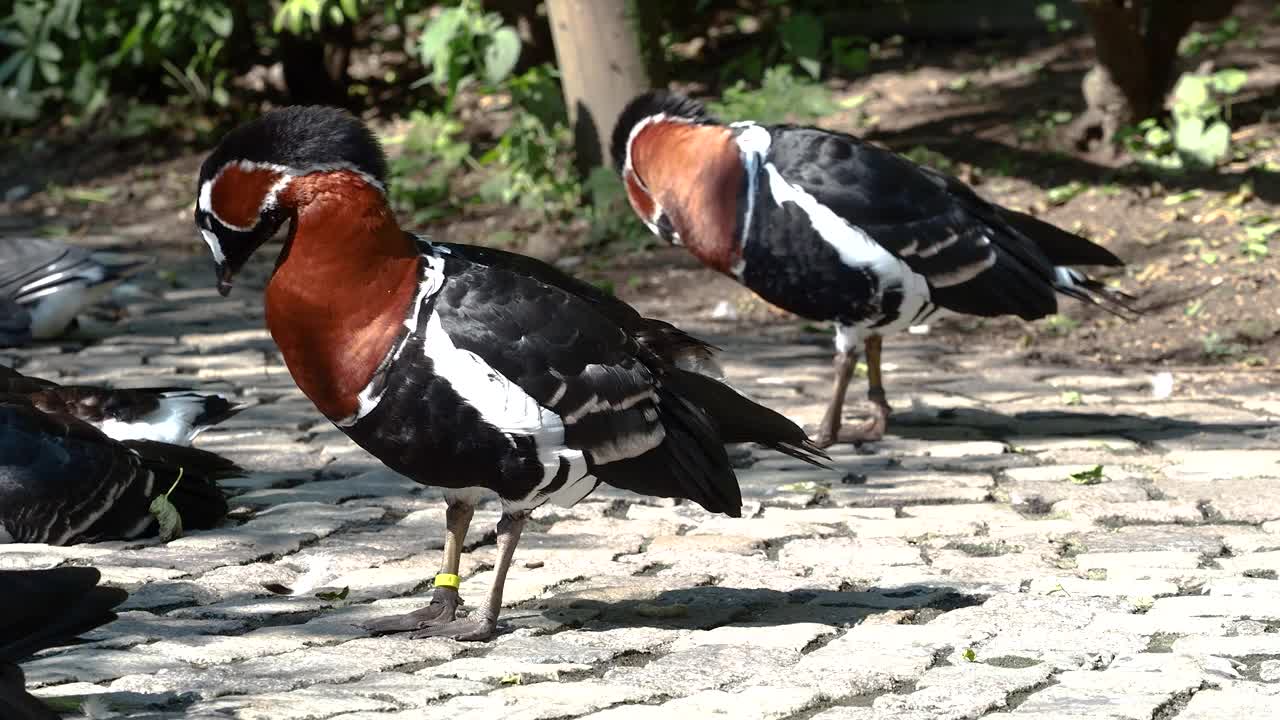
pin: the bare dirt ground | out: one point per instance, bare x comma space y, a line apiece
992, 112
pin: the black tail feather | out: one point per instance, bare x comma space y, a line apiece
1060, 246
741, 419
690, 462
1094, 292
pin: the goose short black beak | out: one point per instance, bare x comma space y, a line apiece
223, 274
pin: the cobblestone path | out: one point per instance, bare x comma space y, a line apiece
1031, 541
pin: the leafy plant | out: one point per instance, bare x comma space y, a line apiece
1200, 133
1048, 14
465, 44
1196, 42
1218, 347
801, 35
421, 177
780, 96
77, 52
609, 214
297, 15
527, 160
852, 54
1257, 237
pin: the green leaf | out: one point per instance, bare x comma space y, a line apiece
168, 516
1190, 96
1092, 476
49, 52
10, 66
436, 38
219, 20
351, 8
969, 655
18, 105
1205, 145
811, 66
332, 596
1229, 81
801, 35
25, 72
27, 18
1064, 193
1179, 198
501, 55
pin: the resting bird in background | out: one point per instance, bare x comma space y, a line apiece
15, 324
45, 284
63, 481
42, 609
167, 415
464, 367
829, 227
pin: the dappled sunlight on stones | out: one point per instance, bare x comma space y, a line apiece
751, 703
850, 594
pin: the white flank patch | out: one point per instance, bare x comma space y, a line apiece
753, 142
172, 422
505, 405
469, 495
856, 248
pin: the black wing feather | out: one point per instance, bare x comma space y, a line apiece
576, 361
933, 222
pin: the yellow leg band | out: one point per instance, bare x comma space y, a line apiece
448, 580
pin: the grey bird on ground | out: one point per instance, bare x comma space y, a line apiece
46, 284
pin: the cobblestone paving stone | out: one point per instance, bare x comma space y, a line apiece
955, 570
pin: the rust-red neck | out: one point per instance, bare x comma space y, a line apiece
341, 288
694, 172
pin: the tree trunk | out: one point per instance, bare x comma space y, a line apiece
598, 45
1136, 42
